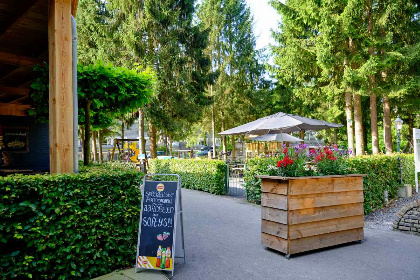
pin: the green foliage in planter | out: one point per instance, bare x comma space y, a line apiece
382, 174
205, 175
70, 225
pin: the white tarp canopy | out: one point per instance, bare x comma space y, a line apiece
279, 137
279, 123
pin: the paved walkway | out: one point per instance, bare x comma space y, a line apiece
222, 236
129, 274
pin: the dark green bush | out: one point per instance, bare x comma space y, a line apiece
254, 167
205, 175
69, 226
382, 174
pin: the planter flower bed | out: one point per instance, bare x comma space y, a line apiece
310, 201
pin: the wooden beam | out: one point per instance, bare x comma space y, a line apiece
18, 60
23, 8
13, 109
17, 100
15, 91
74, 4
61, 87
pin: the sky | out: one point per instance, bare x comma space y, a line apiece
265, 18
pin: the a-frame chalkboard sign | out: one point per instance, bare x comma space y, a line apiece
161, 232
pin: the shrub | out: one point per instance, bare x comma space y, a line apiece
205, 175
382, 174
254, 167
70, 225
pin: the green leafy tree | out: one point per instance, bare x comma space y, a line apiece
237, 89
104, 92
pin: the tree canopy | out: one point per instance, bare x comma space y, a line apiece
104, 93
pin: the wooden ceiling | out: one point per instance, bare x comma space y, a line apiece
23, 43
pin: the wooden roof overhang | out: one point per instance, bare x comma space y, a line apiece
33, 31
23, 44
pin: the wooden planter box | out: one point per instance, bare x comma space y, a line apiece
306, 213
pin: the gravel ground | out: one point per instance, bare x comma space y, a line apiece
383, 218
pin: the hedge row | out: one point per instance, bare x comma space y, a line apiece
205, 175
69, 226
382, 174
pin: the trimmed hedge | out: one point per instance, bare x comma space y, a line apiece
382, 174
205, 175
254, 167
70, 225
382, 171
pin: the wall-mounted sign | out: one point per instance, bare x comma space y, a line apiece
161, 234
15, 139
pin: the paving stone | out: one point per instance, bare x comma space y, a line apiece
404, 228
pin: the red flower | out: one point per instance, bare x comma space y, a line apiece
285, 151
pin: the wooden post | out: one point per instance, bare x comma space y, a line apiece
233, 148
61, 87
113, 150
101, 156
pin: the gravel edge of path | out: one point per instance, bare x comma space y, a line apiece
383, 218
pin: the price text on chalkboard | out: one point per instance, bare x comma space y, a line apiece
157, 225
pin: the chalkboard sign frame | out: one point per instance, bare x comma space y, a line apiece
7, 129
178, 246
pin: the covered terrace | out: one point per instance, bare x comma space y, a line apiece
34, 32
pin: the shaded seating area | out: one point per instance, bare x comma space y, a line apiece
35, 32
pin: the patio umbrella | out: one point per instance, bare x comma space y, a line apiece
279, 137
279, 123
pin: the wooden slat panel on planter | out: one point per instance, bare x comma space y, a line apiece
273, 228
324, 240
323, 213
320, 227
322, 199
274, 200
274, 186
274, 215
325, 185
274, 242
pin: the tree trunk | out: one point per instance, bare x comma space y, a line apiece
101, 156
410, 145
86, 148
224, 140
213, 127
349, 114
358, 124
374, 123
233, 147
387, 125
166, 144
142, 148
335, 133
122, 130
170, 145
373, 103
95, 148
152, 140
82, 138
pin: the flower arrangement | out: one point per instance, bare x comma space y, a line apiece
300, 161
